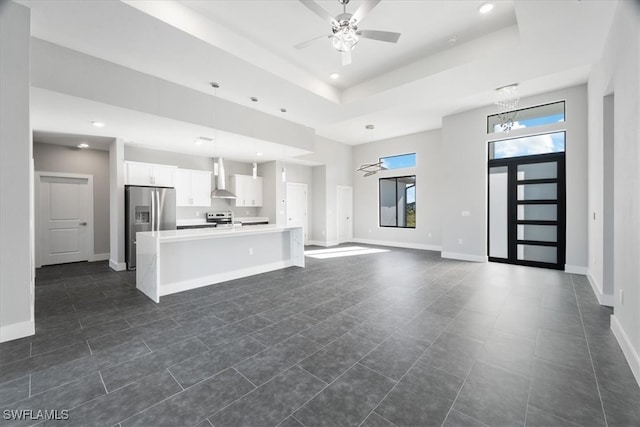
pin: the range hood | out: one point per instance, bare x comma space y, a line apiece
220, 192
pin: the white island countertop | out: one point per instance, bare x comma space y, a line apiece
173, 261
211, 233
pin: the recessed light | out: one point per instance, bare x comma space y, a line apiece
369, 127
258, 154
486, 8
334, 76
98, 124
83, 145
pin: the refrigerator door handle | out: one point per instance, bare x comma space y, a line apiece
153, 210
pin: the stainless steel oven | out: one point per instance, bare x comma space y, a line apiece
221, 219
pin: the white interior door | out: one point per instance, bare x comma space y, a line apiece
344, 213
65, 212
297, 206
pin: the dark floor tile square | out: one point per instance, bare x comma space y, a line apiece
427, 326
448, 306
114, 407
563, 322
15, 390
521, 320
347, 401
569, 350
331, 307
265, 365
375, 420
423, 397
567, 393
65, 397
195, 368
140, 367
284, 329
194, 405
380, 328
394, 357
233, 331
272, 402
494, 396
131, 334
510, 352
14, 350
458, 419
539, 418
472, 324
328, 330
334, 359
453, 354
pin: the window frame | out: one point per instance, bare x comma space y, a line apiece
415, 163
395, 178
490, 131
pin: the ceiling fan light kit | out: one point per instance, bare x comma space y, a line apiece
345, 34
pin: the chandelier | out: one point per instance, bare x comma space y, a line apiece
345, 37
507, 99
369, 169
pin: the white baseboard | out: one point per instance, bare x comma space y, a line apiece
627, 348
391, 243
603, 299
465, 257
117, 266
576, 269
324, 244
185, 285
17, 330
99, 257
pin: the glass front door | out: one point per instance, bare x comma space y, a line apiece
527, 210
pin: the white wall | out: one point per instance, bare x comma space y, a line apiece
426, 235
56, 158
464, 177
336, 159
618, 73
16, 176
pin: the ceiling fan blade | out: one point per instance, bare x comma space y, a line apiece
310, 42
318, 10
346, 57
383, 36
363, 11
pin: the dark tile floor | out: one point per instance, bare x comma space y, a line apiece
401, 338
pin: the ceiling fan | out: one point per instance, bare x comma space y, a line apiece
344, 28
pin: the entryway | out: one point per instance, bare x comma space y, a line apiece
63, 216
527, 205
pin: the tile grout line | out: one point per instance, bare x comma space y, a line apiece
102, 381
240, 373
416, 361
310, 373
30, 385
526, 409
593, 368
174, 378
458, 394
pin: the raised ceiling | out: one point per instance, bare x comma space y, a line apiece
248, 47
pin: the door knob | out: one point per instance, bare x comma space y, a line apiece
83, 223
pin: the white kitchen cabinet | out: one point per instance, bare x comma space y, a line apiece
138, 173
193, 187
248, 191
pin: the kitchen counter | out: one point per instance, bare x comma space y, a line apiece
173, 261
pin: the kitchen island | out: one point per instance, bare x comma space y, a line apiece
178, 260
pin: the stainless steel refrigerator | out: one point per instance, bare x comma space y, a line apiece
147, 209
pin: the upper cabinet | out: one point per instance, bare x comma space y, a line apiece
193, 187
248, 190
138, 173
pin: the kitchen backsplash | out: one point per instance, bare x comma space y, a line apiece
216, 205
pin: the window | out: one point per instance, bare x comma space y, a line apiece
398, 162
527, 146
398, 202
530, 117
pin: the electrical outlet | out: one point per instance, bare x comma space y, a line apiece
250, 251
459, 241
621, 297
